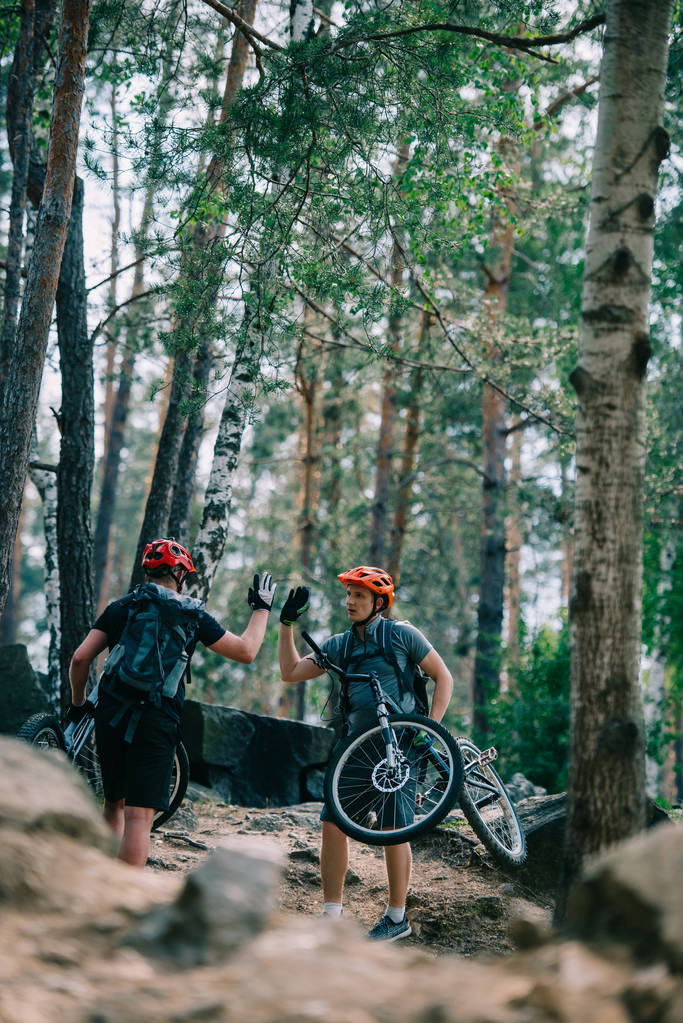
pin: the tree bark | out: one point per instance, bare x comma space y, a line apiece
514, 551
21, 384
119, 416
492, 558
19, 137
379, 523
45, 482
10, 616
411, 436
606, 801
77, 451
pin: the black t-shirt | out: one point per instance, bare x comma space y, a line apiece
114, 617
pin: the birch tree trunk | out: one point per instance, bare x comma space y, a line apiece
21, 384
606, 793
45, 482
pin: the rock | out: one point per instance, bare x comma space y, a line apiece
43, 794
519, 787
224, 905
21, 694
252, 760
633, 893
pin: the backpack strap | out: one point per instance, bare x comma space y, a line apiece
345, 652
385, 637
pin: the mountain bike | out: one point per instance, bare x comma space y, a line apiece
77, 740
393, 780
488, 807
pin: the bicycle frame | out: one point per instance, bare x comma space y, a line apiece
77, 734
383, 702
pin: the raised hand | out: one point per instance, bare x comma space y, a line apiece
295, 605
261, 594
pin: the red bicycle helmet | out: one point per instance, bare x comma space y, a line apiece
375, 579
166, 553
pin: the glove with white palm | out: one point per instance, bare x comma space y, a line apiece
260, 597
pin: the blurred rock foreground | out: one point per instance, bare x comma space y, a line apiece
86, 938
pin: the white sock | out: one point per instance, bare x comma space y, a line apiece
332, 909
396, 913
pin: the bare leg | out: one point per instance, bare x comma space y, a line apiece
114, 817
135, 845
399, 862
334, 862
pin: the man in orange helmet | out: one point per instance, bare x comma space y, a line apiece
369, 593
141, 692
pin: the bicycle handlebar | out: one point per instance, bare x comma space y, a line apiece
328, 665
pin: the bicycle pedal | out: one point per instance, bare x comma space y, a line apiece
487, 756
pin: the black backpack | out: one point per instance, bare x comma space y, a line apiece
152, 653
413, 680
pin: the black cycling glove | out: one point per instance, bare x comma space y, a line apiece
76, 713
260, 597
295, 605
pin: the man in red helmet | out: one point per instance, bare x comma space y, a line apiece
137, 734
369, 592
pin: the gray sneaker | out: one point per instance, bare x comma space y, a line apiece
387, 930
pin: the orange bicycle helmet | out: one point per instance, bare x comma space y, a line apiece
375, 579
166, 553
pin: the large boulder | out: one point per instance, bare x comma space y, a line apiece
21, 694
634, 893
224, 904
254, 760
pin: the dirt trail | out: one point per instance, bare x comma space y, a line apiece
459, 901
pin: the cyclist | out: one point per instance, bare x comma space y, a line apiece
136, 771
369, 593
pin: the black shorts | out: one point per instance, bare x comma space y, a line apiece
138, 771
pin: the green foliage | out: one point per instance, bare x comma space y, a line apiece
530, 722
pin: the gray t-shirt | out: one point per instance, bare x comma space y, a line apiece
366, 656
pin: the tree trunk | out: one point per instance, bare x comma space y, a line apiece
492, 559
379, 523
179, 521
109, 385
514, 551
10, 617
408, 466
163, 479
119, 416
567, 536
19, 137
21, 383
45, 482
77, 454
606, 801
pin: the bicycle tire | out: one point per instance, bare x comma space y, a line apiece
180, 777
489, 809
43, 730
375, 806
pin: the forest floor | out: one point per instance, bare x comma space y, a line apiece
460, 901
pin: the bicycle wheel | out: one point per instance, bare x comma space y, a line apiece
382, 805
85, 756
488, 808
43, 730
180, 777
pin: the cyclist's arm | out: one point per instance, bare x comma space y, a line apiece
94, 643
434, 666
243, 648
292, 667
